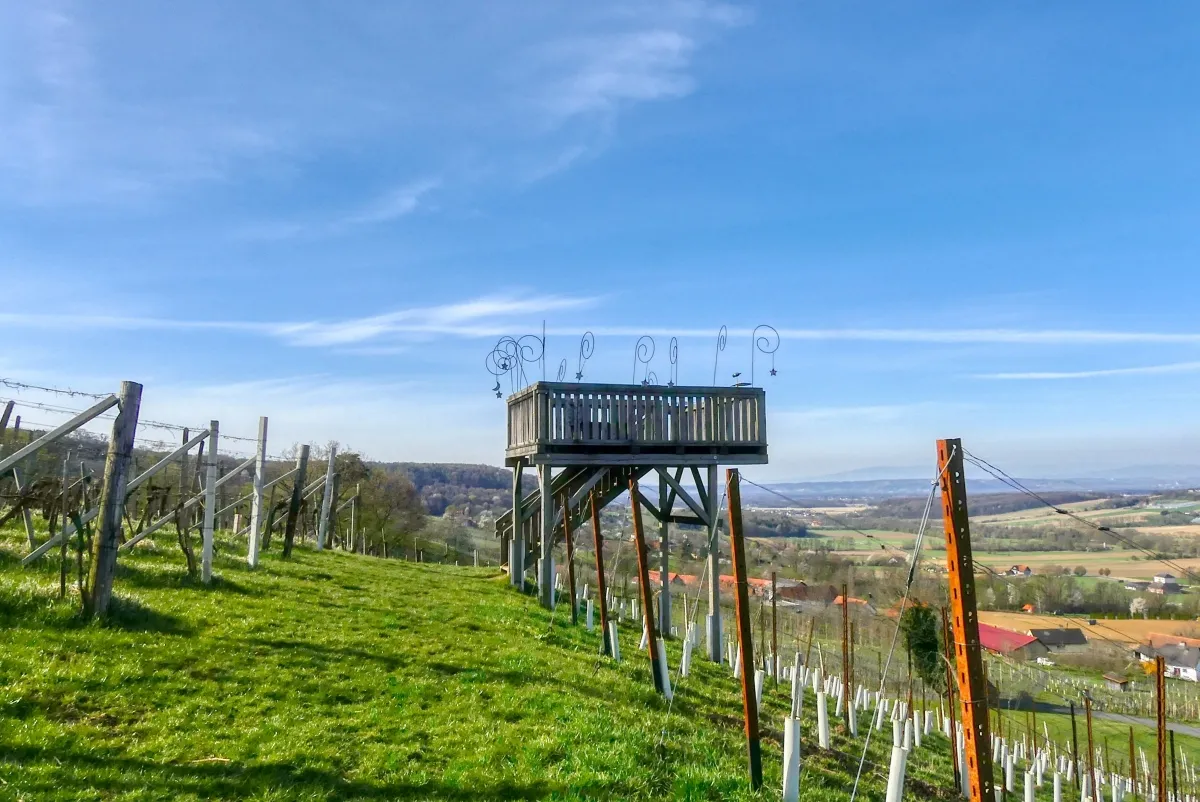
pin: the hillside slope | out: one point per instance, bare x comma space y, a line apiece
333, 676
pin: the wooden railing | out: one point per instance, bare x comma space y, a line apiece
560, 414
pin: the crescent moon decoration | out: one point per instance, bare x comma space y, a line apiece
509, 357
562, 370
673, 351
722, 336
768, 343
643, 352
586, 346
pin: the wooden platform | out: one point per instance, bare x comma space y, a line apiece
563, 424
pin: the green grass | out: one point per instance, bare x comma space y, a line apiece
334, 676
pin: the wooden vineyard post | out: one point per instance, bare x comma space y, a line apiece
965, 623
1075, 747
1132, 764
210, 505
715, 636
644, 585
326, 499
112, 499
566, 508
601, 589
1160, 696
293, 516
948, 646
774, 631
256, 502
846, 655
1091, 755
737, 549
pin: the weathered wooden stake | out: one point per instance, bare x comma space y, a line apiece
112, 499
737, 550
846, 654
1132, 764
1075, 747
210, 505
326, 499
256, 503
715, 647
1160, 696
647, 593
948, 646
1093, 776
293, 516
774, 630
601, 586
567, 535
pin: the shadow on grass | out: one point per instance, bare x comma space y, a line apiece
130, 615
177, 578
326, 654
113, 774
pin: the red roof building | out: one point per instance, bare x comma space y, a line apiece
1009, 643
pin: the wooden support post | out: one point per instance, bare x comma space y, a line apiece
326, 499
256, 503
26, 515
846, 655
601, 585
293, 516
965, 623
362, 542
948, 647
112, 499
715, 645
1174, 774
639, 540
1133, 777
516, 555
774, 630
210, 505
664, 568
1093, 776
1075, 747
331, 519
567, 536
737, 550
57, 433
1160, 707
546, 530
4, 416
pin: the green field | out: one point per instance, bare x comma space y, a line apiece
333, 676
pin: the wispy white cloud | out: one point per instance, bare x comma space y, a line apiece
480, 317
1145, 370
388, 207
1047, 337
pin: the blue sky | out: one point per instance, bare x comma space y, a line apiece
965, 221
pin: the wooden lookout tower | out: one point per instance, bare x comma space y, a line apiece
582, 438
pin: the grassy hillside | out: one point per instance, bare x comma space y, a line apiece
333, 676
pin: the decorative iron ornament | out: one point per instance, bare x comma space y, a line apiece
722, 336
643, 352
587, 344
510, 356
768, 343
673, 352
562, 371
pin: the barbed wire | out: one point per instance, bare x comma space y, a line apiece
13, 384
175, 427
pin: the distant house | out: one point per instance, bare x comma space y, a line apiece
1020, 570
802, 592
1060, 640
1017, 645
855, 604
1115, 682
676, 580
1137, 585
1164, 585
1181, 655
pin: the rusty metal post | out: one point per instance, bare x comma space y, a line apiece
1160, 696
968, 657
601, 588
639, 540
737, 548
567, 536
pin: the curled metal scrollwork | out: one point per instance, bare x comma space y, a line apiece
509, 357
651, 379
562, 370
673, 353
767, 342
643, 352
587, 344
722, 336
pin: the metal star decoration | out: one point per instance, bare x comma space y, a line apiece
774, 372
